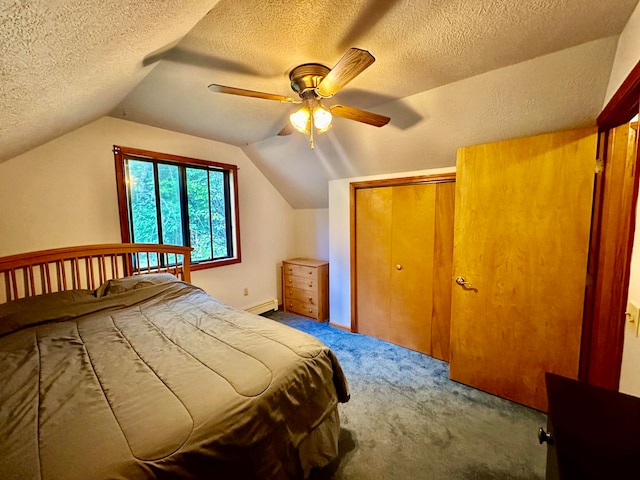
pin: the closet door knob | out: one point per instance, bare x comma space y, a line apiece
462, 282
398, 267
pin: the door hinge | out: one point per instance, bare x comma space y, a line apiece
599, 165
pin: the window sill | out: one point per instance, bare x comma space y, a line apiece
213, 264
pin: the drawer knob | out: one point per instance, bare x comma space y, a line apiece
310, 272
544, 437
291, 280
310, 299
310, 311
311, 284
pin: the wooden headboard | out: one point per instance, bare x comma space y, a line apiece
88, 266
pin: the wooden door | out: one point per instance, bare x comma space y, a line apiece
442, 270
411, 268
373, 260
521, 238
403, 264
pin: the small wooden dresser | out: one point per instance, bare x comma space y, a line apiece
305, 287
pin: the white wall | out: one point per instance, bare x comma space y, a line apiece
63, 193
311, 233
634, 278
340, 242
627, 54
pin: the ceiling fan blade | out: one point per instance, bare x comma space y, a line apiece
352, 63
288, 129
362, 116
251, 93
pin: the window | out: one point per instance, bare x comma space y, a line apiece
169, 199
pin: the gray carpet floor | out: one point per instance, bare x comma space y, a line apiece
407, 420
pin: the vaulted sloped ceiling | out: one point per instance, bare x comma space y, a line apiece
448, 73
65, 63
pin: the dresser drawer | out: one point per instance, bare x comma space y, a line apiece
300, 271
300, 282
302, 308
306, 296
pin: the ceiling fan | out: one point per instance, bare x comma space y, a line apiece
314, 82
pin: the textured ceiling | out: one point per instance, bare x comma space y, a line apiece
447, 72
64, 63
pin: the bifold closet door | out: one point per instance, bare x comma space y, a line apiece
403, 248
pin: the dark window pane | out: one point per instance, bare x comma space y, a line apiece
218, 214
143, 202
170, 211
199, 218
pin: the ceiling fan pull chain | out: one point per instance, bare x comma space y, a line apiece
311, 127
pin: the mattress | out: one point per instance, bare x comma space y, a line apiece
150, 377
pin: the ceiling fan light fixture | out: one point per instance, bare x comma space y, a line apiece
322, 118
301, 120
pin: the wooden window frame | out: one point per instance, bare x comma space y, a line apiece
123, 153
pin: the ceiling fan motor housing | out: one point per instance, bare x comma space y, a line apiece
306, 77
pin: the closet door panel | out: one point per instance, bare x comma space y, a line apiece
412, 246
373, 244
442, 270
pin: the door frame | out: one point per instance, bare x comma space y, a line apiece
387, 182
606, 295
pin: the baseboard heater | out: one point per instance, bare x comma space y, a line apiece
267, 306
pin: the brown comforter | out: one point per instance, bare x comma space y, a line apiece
156, 380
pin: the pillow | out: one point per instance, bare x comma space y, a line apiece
126, 284
29, 311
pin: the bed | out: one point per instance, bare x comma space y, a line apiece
112, 365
